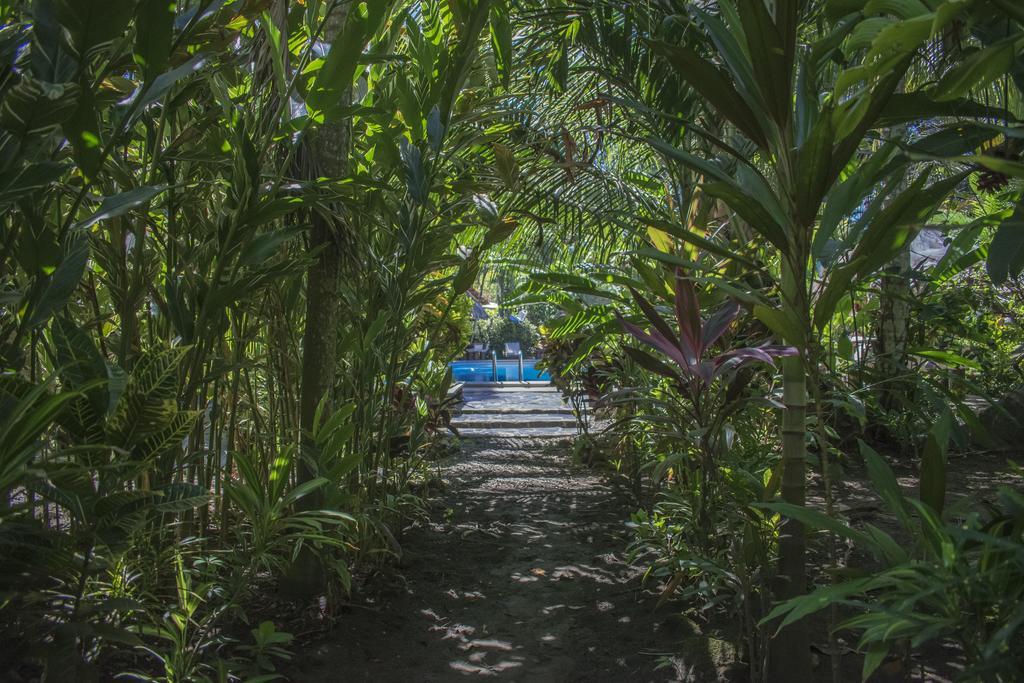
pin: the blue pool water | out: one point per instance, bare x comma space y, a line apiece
508, 371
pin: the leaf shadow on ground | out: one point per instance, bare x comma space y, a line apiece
519, 575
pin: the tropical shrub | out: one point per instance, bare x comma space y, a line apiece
500, 330
227, 278
960, 580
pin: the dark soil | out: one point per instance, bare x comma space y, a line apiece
520, 576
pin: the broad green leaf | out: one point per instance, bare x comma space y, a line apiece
33, 107
262, 247
501, 40
876, 654
901, 108
903, 9
750, 210
661, 240
337, 71
650, 363
587, 346
415, 173
466, 275
978, 70
92, 24
304, 489
154, 32
800, 607
734, 55
154, 90
435, 129
38, 250
887, 234
689, 237
82, 130
781, 323
947, 357
498, 233
64, 280
120, 204
885, 484
813, 178
816, 519
1006, 254
954, 140
709, 169
875, 100
15, 184
769, 44
844, 198
715, 86
933, 463
670, 259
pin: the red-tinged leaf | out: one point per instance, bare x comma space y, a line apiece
687, 361
688, 314
718, 323
779, 350
650, 363
739, 357
654, 317
752, 353
656, 341
706, 372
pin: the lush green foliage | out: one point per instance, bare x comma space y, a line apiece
235, 239
161, 167
499, 330
783, 157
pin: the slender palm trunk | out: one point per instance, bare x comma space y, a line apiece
329, 153
893, 330
790, 658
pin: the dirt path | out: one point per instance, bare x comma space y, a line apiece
520, 576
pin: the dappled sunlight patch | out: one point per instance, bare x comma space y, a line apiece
465, 595
464, 667
459, 632
488, 644
582, 571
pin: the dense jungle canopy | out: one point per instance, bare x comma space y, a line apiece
771, 252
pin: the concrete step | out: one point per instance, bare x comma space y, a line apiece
517, 411
509, 387
515, 421
518, 433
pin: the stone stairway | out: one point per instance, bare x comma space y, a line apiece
527, 411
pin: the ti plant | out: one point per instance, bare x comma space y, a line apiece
711, 384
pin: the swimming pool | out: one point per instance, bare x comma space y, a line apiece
508, 371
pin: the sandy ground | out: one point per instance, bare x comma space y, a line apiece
520, 576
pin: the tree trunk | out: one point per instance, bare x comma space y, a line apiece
790, 656
327, 153
893, 326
